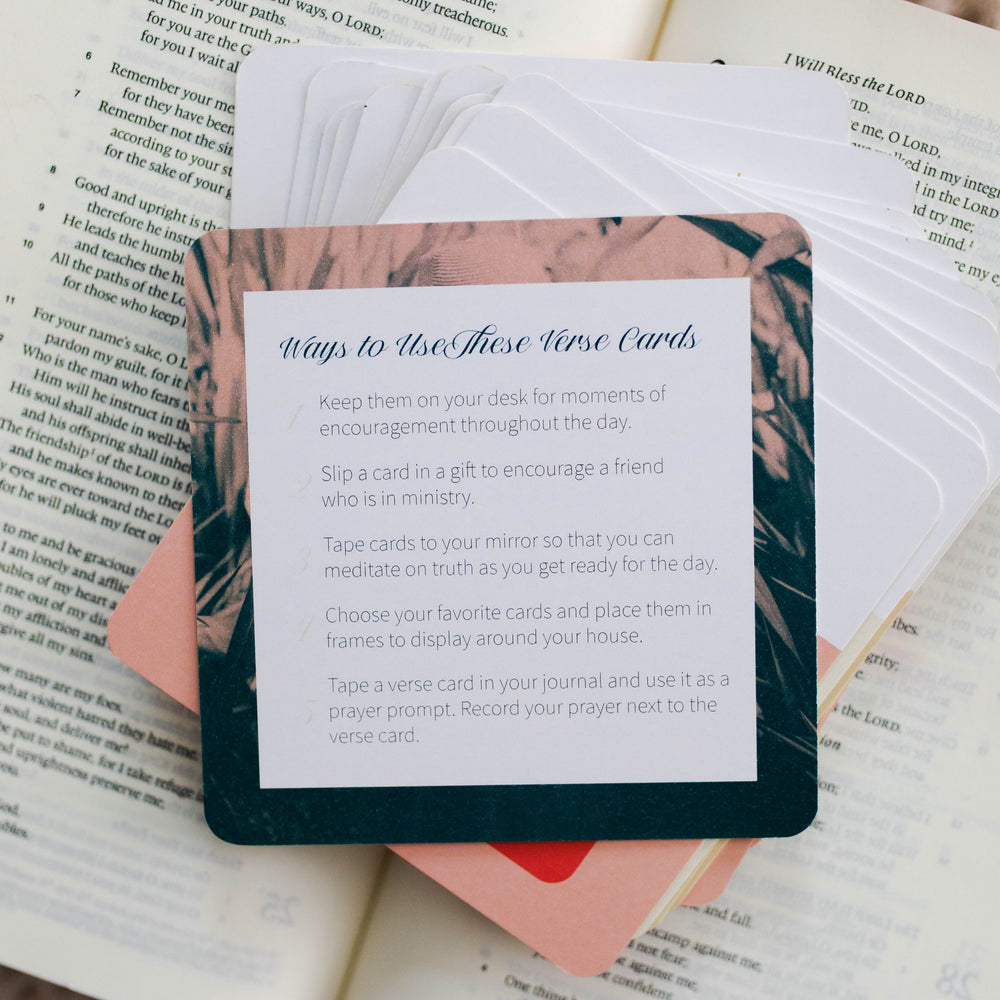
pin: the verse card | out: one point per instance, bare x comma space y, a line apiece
514, 563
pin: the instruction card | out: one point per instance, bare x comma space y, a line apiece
503, 529
537, 568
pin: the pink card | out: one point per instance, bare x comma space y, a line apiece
527, 888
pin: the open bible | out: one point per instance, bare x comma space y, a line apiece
114, 783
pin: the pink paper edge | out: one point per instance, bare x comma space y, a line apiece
160, 604
612, 892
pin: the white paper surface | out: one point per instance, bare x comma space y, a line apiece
506, 564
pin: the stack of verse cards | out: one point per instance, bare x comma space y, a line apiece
588, 421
